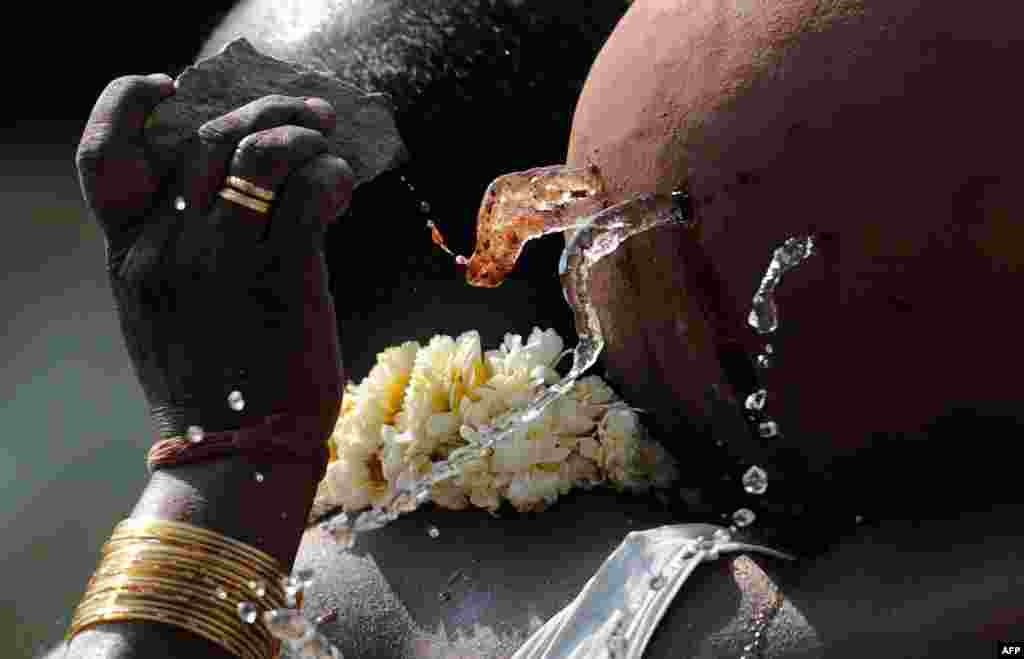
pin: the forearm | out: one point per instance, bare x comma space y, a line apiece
223, 496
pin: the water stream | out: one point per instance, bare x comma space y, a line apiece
554, 196
598, 235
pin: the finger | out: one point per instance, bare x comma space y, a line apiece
264, 159
219, 137
117, 179
121, 111
312, 198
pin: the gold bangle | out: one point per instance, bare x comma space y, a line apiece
147, 592
201, 622
201, 561
217, 624
241, 199
156, 563
166, 532
188, 577
250, 189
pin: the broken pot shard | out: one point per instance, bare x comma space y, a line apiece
365, 134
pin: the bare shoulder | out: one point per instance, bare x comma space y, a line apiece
932, 588
479, 588
935, 588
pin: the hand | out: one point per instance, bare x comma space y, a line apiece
217, 297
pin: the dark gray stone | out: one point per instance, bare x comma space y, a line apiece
365, 135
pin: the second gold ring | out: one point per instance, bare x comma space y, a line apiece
250, 189
243, 200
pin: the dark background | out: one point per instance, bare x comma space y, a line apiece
75, 423
68, 53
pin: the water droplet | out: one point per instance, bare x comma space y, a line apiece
858, 519
617, 645
764, 316
424, 207
755, 480
305, 577
247, 612
180, 203
258, 587
434, 532
743, 517
768, 429
657, 583
221, 593
769, 348
259, 477
704, 544
444, 596
317, 647
235, 401
507, 52
330, 616
764, 361
756, 400
195, 434
288, 625
296, 583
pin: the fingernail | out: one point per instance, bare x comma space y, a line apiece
323, 110
168, 85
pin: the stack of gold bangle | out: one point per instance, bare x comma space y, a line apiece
185, 576
247, 194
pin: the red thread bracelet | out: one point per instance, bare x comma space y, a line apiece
281, 437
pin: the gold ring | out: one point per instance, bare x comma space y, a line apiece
250, 189
248, 202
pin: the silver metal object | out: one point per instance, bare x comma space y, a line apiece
616, 613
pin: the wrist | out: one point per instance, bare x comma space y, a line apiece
276, 438
260, 502
225, 496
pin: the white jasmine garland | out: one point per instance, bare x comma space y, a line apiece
407, 413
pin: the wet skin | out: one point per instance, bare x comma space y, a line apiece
855, 599
860, 597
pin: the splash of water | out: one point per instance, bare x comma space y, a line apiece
598, 235
764, 317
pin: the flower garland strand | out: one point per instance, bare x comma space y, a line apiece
407, 413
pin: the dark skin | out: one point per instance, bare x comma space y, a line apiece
855, 598
167, 267
188, 492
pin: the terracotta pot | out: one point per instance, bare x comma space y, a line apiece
891, 129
